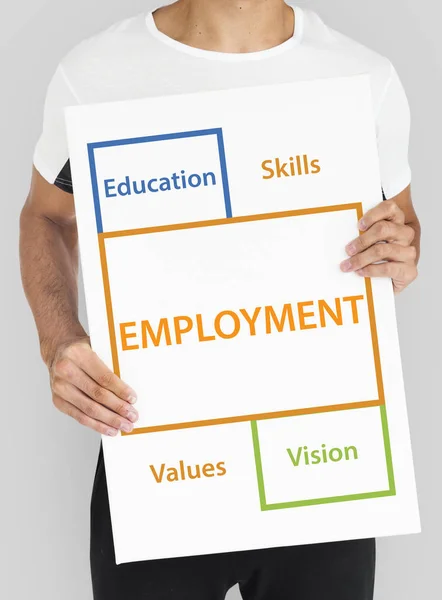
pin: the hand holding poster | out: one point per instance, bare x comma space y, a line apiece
271, 401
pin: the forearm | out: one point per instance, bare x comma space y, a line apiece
49, 266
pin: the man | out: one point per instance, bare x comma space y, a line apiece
197, 45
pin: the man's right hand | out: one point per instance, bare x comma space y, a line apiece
85, 389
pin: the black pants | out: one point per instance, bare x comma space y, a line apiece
335, 571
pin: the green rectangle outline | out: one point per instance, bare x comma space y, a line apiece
334, 499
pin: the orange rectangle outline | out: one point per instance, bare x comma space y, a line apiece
229, 221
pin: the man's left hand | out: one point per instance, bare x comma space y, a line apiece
383, 223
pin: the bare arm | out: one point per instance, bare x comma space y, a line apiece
83, 387
49, 265
405, 203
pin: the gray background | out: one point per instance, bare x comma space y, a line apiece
47, 461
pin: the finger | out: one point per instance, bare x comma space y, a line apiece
89, 407
385, 211
72, 411
86, 359
398, 271
378, 252
379, 232
67, 371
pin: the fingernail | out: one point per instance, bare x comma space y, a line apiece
132, 398
350, 249
132, 415
362, 225
112, 432
346, 266
126, 427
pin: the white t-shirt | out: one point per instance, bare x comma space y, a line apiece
133, 59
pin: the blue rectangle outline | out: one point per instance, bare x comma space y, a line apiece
158, 138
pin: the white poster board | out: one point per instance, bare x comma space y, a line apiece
271, 400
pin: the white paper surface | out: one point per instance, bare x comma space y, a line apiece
271, 400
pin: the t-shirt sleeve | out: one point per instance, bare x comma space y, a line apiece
51, 152
393, 134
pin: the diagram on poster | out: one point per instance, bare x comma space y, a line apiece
271, 401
